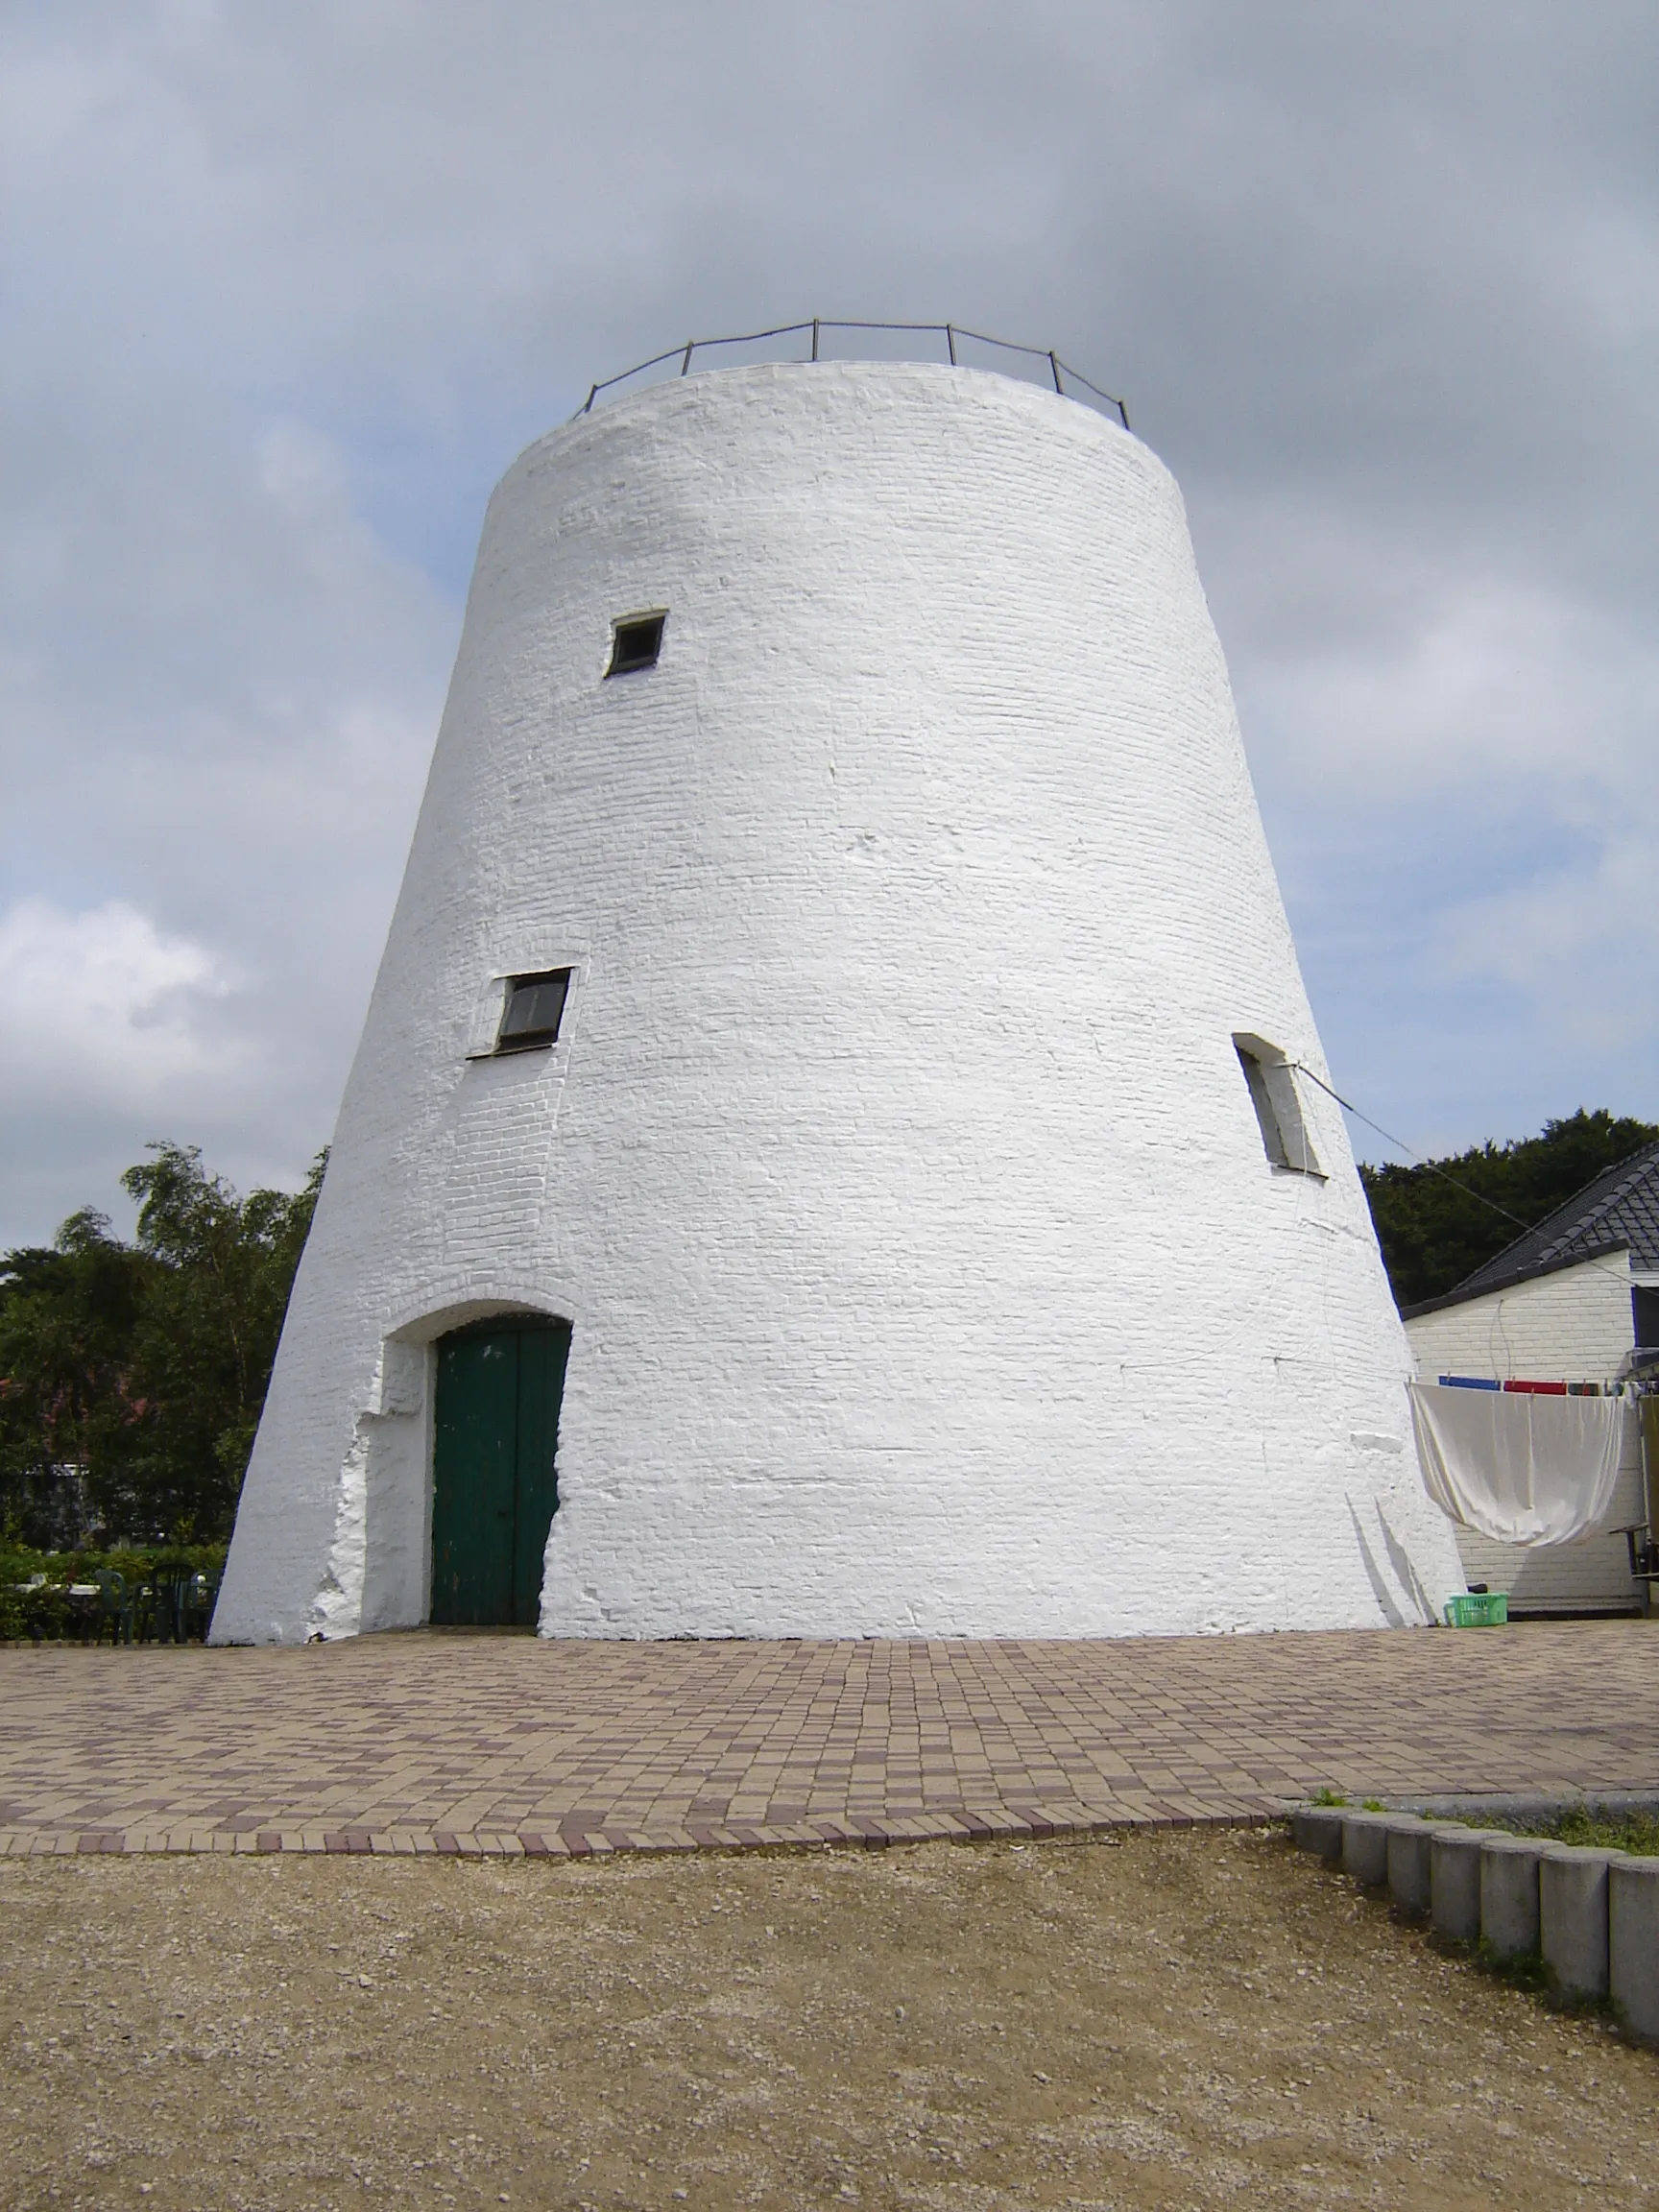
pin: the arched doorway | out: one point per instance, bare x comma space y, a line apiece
494, 1487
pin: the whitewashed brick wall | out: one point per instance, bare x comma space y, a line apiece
896, 1169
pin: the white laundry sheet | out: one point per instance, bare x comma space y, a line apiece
1519, 1468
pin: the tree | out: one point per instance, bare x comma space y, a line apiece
1433, 1233
67, 1317
134, 1375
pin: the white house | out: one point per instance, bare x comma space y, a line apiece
1572, 1300
837, 1069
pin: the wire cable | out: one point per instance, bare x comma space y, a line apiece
1416, 1158
1469, 1191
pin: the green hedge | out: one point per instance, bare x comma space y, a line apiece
45, 1611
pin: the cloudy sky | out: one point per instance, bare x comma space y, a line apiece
288, 282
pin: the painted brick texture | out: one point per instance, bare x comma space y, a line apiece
895, 1167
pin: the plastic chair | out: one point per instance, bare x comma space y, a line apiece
116, 1605
196, 1608
168, 1586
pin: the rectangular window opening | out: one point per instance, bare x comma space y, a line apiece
636, 641
1272, 1086
534, 1008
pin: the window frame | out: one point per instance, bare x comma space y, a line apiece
508, 1046
1271, 1082
652, 618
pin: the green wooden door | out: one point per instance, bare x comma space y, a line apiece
493, 1488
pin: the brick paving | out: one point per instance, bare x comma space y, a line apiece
449, 1742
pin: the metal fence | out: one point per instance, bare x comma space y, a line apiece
959, 346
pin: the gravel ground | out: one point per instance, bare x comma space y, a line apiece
1156, 2020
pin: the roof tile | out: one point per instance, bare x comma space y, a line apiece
1618, 1208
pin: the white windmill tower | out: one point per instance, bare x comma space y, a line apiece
835, 1067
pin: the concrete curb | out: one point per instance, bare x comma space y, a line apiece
1410, 1867
1454, 1884
1509, 1895
1038, 1820
1572, 1918
1365, 1846
1317, 1828
1633, 1944
1524, 1805
1593, 1917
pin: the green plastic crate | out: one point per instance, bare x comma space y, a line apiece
1488, 1610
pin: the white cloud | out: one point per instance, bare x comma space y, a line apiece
1576, 945
1458, 778
218, 705
105, 1005
1496, 680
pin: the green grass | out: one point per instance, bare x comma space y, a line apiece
1599, 1827
1524, 1970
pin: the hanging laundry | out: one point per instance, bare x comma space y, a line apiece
1521, 1467
1538, 1389
1468, 1383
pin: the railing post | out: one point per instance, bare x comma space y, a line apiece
1057, 368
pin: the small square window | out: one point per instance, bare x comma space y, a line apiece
534, 1010
635, 642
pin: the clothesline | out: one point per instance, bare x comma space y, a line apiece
1620, 1388
1531, 1465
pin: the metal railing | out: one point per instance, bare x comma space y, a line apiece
1071, 383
